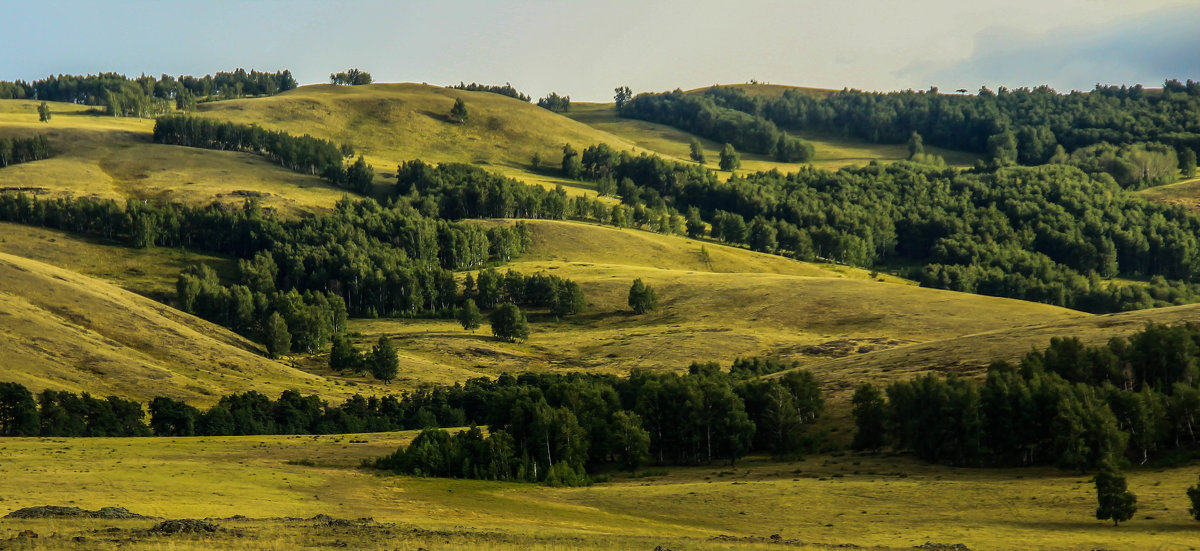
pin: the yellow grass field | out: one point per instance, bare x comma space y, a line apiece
114, 158
876, 501
740, 303
65, 331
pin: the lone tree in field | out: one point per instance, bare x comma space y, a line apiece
1187, 162
697, 151
508, 323
458, 113
385, 363
44, 114
278, 340
469, 316
1115, 501
642, 298
1193, 494
622, 96
729, 158
869, 416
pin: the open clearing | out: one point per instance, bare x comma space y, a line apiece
874, 501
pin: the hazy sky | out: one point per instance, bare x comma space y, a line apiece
585, 49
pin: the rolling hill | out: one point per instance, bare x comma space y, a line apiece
114, 158
64, 331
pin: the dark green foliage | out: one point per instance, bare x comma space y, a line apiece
23, 150
757, 366
469, 316
351, 77
68, 414
1132, 166
458, 112
630, 442
1193, 494
1069, 405
642, 298
1115, 501
146, 95
18, 411
172, 418
506, 90
697, 151
1187, 162
43, 112
276, 336
572, 165
701, 115
729, 158
344, 356
508, 323
384, 361
304, 154
555, 103
870, 415
916, 145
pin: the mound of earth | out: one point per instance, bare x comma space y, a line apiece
185, 526
54, 511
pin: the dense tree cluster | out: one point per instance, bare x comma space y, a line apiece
23, 150
577, 423
60, 413
555, 103
506, 90
380, 261
1050, 234
1023, 125
146, 95
304, 154
701, 115
1069, 405
351, 77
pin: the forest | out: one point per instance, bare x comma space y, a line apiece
1026, 126
1068, 405
702, 116
580, 422
506, 90
100, 89
23, 150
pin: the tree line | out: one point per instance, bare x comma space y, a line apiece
305, 154
506, 90
350, 77
1069, 405
701, 115
147, 91
1050, 234
557, 429
23, 150
1026, 126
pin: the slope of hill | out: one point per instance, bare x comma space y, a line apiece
392, 123
1185, 194
65, 331
971, 353
832, 152
113, 158
746, 303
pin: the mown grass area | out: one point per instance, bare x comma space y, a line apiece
66, 331
882, 501
114, 158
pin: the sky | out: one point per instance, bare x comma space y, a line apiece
585, 49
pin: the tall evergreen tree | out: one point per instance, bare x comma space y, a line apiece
869, 417
697, 151
344, 356
385, 362
44, 112
1115, 501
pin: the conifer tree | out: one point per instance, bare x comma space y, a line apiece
1115, 501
